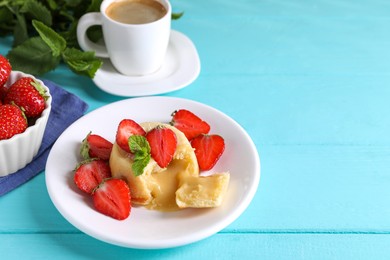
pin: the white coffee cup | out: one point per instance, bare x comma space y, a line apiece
134, 49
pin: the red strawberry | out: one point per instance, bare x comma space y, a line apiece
5, 70
163, 144
112, 198
189, 123
27, 94
127, 128
95, 146
12, 121
208, 150
90, 174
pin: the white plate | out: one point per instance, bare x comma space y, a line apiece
146, 228
181, 67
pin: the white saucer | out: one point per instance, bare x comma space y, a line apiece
180, 68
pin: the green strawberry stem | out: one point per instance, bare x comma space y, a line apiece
42, 91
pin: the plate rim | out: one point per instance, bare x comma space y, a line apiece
169, 242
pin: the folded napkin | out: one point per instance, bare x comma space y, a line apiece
66, 108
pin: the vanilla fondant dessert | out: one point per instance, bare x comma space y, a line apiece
178, 185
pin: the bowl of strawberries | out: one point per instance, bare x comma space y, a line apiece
25, 105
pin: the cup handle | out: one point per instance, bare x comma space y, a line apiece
86, 21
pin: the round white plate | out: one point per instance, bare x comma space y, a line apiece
147, 228
181, 67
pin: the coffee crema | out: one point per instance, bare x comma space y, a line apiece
136, 11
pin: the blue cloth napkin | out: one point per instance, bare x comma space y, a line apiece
66, 108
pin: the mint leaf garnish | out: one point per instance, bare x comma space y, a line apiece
138, 143
139, 165
55, 41
140, 147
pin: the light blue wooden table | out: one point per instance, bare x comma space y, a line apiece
310, 83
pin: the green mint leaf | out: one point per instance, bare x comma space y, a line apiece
73, 3
138, 144
5, 15
33, 56
83, 63
71, 35
176, 16
95, 33
38, 11
55, 41
20, 30
52, 4
67, 16
139, 164
94, 6
140, 147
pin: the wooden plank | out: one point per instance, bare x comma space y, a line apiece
309, 188
220, 246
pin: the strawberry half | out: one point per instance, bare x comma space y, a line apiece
189, 123
163, 144
5, 70
127, 128
12, 121
208, 150
112, 198
90, 173
96, 146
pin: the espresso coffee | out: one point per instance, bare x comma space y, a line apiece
136, 11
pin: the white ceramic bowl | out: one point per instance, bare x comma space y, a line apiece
19, 150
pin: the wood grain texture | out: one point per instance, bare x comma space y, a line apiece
309, 81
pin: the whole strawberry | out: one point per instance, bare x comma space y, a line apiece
12, 121
28, 94
5, 70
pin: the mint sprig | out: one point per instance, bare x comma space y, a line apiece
45, 34
140, 147
45, 52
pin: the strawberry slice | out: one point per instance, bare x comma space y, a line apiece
90, 173
189, 123
163, 144
208, 150
96, 146
127, 128
112, 198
